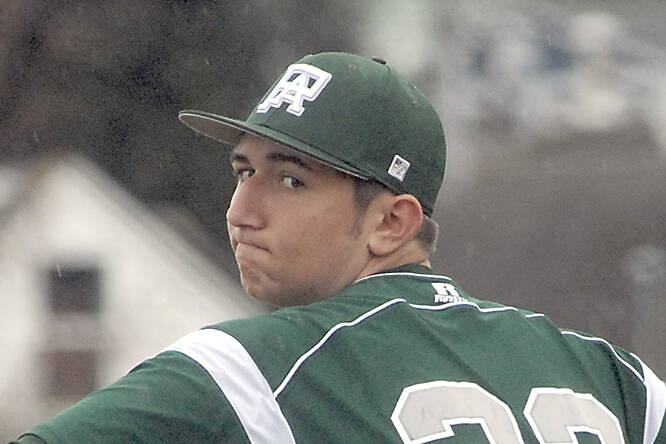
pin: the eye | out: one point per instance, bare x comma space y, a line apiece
292, 182
244, 173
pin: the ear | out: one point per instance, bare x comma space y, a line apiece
399, 219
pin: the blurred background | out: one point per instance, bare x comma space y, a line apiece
112, 234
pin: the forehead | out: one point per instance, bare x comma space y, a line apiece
252, 148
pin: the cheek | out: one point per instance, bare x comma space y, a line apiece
312, 236
308, 230
315, 230
334, 230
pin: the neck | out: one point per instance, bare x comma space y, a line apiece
409, 254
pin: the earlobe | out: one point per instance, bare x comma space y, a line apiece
399, 219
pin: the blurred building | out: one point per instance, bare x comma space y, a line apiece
91, 283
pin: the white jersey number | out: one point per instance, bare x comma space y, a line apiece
426, 412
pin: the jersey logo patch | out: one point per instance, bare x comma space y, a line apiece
446, 293
301, 82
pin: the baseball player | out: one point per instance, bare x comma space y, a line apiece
338, 169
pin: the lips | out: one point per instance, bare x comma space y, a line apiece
250, 257
248, 245
245, 241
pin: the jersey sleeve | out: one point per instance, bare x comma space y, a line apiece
168, 398
643, 393
655, 410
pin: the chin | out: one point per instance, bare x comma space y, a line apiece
256, 288
260, 294
278, 300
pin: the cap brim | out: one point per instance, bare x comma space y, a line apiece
230, 131
222, 129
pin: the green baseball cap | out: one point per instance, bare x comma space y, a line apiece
355, 114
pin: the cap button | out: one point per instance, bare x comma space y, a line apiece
379, 60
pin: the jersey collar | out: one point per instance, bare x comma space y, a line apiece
412, 269
407, 268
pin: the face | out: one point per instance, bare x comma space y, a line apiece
296, 231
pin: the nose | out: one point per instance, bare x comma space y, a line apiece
246, 208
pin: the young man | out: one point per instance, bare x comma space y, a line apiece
338, 168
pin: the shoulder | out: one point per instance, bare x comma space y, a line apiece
625, 362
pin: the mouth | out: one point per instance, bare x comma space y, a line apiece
235, 243
250, 258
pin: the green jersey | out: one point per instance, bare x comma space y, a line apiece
399, 356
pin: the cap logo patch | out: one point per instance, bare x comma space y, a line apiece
398, 168
301, 82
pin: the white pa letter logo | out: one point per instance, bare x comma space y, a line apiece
300, 82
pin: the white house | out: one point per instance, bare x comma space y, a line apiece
91, 283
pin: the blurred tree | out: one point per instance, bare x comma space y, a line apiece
107, 80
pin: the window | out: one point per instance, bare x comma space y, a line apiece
71, 357
74, 290
71, 373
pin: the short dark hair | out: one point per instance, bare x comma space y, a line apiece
366, 190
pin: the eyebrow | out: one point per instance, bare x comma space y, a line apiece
275, 157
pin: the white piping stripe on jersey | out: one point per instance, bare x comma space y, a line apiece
535, 315
605, 342
655, 408
467, 303
405, 273
457, 304
325, 338
508, 308
241, 381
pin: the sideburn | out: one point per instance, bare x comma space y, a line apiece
365, 192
